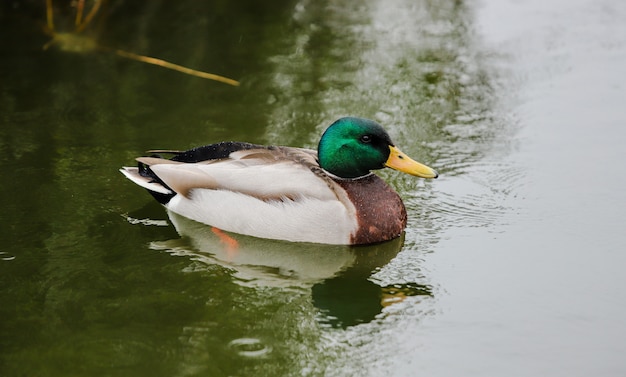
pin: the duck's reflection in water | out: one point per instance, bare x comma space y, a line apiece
338, 276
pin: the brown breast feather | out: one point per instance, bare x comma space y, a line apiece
381, 215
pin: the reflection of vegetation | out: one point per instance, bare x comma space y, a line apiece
85, 296
75, 41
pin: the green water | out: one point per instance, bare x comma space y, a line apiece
97, 280
87, 290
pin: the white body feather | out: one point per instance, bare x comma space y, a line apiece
258, 193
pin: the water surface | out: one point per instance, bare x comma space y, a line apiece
511, 261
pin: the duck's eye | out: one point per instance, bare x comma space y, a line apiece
366, 139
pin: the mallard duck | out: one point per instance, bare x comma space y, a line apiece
288, 193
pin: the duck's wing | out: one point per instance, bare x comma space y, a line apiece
269, 192
267, 173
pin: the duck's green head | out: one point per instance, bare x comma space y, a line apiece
352, 147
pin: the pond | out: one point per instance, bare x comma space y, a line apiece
511, 263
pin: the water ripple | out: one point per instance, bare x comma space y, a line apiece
477, 198
250, 347
6, 256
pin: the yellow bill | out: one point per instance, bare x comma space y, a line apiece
401, 162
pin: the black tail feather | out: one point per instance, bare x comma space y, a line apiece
145, 171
